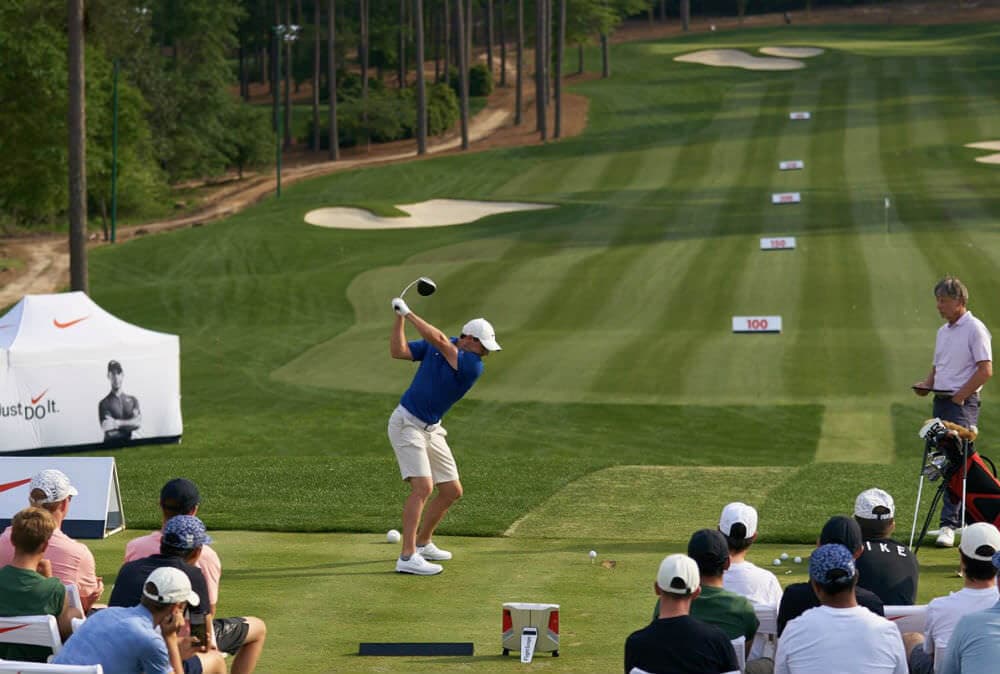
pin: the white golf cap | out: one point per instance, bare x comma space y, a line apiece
980, 541
481, 329
678, 575
168, 585
874, 504
54, 484
738, 513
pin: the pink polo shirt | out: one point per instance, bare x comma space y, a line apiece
958, 348
209, 563
72, 561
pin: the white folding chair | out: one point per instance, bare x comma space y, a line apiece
740, 646
907, 618
939, 656
31, 630
14, 667
767, 630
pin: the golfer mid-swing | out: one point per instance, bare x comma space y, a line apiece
448, 368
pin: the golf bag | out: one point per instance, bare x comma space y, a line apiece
948, 454
982, 489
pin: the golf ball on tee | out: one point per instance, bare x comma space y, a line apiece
392, 536
776, 562
798, 560
592, 554
784, 556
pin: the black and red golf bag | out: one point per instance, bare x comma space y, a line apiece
982, 489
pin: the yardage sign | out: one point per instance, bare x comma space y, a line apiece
792, 165
799, 115
786, 198
778, 243
757, 324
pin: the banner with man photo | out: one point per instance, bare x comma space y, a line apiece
74, 376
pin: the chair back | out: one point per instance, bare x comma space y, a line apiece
939, 656
740, 646
15, 667
767, 630
907, 618
31, 630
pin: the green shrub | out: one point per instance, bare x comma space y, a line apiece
480, 80
442, 108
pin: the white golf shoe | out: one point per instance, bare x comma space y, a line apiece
433, 552
946, 538
418, 566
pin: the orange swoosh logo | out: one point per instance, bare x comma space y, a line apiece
16, 483
68, 323
34, 401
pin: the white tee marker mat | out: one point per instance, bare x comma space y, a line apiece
768, 324
791, 165
801, 114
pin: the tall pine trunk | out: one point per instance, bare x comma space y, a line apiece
489, 36
463, 72
363, 55
540, 85
503, 43
331, 80
519, 77
77, 121
418, 23
560, 44
288, 77
317, 69
401, 60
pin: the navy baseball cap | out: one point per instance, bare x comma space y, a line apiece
832, 564
843, 530
180, 495
185, 532
708, 546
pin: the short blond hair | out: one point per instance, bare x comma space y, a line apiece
31, 529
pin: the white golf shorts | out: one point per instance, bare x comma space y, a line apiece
421, 449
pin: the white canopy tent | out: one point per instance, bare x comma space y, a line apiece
57, 354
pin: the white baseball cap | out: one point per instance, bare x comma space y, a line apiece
169, 586
980, 541
678, 574
870, 499
481, 329
738, 513
54, 484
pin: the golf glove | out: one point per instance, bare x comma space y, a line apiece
399, 306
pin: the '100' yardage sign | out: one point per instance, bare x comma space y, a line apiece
777, 243
757, 324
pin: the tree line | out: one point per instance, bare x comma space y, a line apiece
173, 79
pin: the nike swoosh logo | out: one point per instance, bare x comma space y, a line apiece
34, 401
68, 323
11, 629
16, 483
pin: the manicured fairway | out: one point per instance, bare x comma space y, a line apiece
621, 397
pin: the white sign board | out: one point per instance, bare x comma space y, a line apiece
756, 323
791, 165
786, 198
73, 375
777, 243
96, 512
799, 115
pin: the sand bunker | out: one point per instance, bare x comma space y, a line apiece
433, 213
792, 52
734, 58
992, 145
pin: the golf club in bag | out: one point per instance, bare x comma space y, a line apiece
964, 474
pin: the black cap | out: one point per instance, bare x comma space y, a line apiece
180, 496
843, 530
708, 547
114, 366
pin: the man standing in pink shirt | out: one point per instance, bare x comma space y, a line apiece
72, 562
963, 362
180, 497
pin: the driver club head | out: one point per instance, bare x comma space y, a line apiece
425, 286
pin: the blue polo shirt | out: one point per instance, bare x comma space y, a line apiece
436, 386
122, 640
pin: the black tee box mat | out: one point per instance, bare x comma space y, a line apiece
416, 648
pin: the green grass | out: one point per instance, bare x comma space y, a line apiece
622, 413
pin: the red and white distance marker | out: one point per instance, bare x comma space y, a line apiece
786, 197
800, 115
769, 324
791, 165
777, 243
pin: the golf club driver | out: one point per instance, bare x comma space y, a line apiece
425, 286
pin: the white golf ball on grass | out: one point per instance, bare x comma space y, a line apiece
392, 536
592, 554
784, 556
798, 560
776, 562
